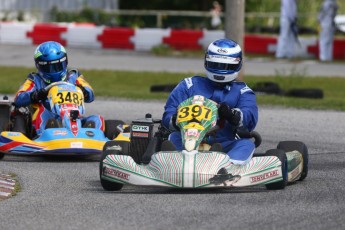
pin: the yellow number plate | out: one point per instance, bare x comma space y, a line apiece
190, 112
75, 98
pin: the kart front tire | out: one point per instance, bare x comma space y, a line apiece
111, 131
299, 146
284, 167
106, 184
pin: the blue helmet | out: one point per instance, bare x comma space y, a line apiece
51, 61
223, 60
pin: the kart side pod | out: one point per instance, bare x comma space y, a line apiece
141, 132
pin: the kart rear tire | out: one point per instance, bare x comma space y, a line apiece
4, 117
110, 185
111, 130
284, 167
289, 146
19, 125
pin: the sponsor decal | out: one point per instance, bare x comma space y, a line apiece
116, 173
198, 100
114, 147
77, 145
137, 134
189, 82
294, 173
222, 51
224, 59
263, 176
90, 133
140, 128
192, 133
245, 89
224, 178
60, 132
219, 77
14, 134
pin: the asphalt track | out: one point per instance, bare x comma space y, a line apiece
63, 193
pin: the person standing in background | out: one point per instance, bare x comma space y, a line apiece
288, 29
326, 17
216, 22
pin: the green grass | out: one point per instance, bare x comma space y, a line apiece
136, 85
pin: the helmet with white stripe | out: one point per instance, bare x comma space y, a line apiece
223, 60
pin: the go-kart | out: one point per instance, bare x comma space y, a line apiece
153, 160
63, 135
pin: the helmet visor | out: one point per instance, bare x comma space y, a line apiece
222, 66
52, 66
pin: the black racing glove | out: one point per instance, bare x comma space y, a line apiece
231, 115
85, 92
173, 122
38, 95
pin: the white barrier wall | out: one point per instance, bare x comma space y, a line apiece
83, 36
144, 39
15, 33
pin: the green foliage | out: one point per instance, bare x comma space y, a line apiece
166, 50
307, 15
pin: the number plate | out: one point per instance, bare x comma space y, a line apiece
190, 112
67, 97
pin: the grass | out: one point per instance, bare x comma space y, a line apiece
136, 85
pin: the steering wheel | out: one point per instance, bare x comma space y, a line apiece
48, 87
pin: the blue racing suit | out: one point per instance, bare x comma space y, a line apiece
42, 111
235, 94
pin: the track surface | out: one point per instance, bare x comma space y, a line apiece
64, 193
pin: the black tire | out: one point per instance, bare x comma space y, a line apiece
305, 93
19, 125
282, 157
267, 88
162, 88
111, 130
289, 146
110, 185
4, 117
2, 155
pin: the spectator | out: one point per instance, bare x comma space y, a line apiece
326, 19
288, 29
216, 22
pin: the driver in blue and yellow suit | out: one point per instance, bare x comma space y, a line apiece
237, 102
51, 63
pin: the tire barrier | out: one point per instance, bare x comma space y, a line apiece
144, 39
274, 88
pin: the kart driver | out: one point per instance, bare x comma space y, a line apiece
237, 102
51, 63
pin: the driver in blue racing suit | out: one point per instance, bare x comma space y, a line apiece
237, 102
51, 62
